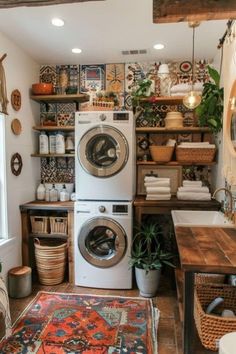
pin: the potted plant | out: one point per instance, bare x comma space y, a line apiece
210, 110
143, 89
148, 257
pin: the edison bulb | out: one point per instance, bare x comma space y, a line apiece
192, 100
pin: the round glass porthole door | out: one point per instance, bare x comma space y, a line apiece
103, 151
102, 242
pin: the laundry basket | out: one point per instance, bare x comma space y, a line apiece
50, 258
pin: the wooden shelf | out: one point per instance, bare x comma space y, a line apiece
172, 130
53, 155
77, 98
48, 236
179, 279
170, 100
54, 127
175, 163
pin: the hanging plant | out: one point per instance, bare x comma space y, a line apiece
210, 110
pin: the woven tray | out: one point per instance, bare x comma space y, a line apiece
203, 278
191, 155
211, 327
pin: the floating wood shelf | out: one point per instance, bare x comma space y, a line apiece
179, 279
53, 155
170, 100
48, 236
176, 163
172, 130
77, 98
54, 127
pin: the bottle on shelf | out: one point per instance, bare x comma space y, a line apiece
53, 194
64, 195
40, 193
60, 143
47, 194
43, 143
52, 143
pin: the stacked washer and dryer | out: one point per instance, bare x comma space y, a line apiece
105, 187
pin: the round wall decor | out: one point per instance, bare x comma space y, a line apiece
16, 126
16, 100
16, 164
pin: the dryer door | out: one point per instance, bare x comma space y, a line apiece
102, 242
103, 151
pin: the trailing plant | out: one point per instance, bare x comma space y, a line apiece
142, 90
210, 110
147, 252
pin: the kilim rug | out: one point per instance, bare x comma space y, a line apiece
60, 323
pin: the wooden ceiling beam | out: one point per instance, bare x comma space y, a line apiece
166, 11
18, 3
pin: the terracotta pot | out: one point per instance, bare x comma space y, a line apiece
42, 89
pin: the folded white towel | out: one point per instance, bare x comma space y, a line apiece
193, 189
155, 179
199, 146
157, 184
158, 190
158, 197
187, 183
198, 86
193, 196
194, 143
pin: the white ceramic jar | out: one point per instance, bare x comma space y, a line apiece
174, 120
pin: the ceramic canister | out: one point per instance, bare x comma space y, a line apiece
174, 120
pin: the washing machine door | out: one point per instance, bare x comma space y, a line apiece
103, 151
102, 242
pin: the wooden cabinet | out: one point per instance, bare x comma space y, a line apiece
36, 208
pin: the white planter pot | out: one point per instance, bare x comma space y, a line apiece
147, 282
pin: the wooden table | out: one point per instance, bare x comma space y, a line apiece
143, 206
207, 250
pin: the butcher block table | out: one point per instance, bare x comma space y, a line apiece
206, 250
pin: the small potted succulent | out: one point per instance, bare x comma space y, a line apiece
148, 258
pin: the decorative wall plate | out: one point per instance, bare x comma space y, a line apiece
16, 164
16, 126
16, 100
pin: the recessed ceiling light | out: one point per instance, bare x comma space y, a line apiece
158, 46
57, 22
76, 50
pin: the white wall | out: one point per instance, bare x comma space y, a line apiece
21, 71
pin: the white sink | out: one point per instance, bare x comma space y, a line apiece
204, 218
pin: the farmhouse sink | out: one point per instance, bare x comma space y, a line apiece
200, 218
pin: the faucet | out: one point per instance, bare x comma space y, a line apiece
229, 209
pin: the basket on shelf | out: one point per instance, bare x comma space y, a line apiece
203, 278
197, 155
50, 258
39, 224
161, 153
212, 327
58, 225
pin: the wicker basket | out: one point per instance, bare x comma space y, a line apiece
210, 327
203, 278
161, 154
39, 224
50, 258
58, 225
191, 155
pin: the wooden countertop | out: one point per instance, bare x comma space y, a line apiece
174, 203
207, 249
37, 204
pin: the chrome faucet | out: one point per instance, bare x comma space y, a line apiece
229, 209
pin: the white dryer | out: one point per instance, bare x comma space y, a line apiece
102, 244
105, 155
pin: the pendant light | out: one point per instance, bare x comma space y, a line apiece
192, 99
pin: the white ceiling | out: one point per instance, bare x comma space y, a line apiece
102, 30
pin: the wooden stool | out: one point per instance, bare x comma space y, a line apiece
19, 282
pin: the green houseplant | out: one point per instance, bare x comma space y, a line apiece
210, 110
148, 257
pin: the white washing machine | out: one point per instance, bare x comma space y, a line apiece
102, 244
105, 155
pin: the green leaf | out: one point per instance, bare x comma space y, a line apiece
214, 75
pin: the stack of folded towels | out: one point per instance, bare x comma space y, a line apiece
183, 88
193, 190
157, 188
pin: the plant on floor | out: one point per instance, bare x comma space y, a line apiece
210, 111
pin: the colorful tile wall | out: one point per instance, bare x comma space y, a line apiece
92, 78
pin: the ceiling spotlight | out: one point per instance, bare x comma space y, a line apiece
158, 46
57, 22
76, 50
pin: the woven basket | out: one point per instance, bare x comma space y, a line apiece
50, 258
39, 224
161, 153
203, 278
210, 327
191, 155
58, 225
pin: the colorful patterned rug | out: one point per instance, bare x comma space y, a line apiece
60, 323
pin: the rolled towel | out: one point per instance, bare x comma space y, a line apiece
187, 183
193, 189
157, 184
158, 197
193, 196
158, 190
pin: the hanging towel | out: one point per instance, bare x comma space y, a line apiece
4, 307
194, 189
158, 190
187, 183
158, 197
193, 196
